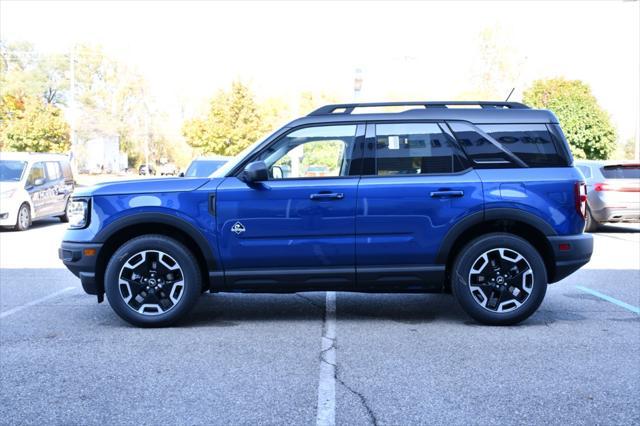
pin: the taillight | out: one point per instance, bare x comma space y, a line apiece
599, 187
581, 198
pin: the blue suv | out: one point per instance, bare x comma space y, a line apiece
479, 199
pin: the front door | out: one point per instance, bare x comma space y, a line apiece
296, 230
420, 187
39, 190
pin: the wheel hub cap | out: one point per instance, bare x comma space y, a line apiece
151, 282
500, 280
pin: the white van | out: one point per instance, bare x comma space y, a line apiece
33, 186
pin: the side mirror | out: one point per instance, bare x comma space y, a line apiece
181, 174
255, 172
38, 182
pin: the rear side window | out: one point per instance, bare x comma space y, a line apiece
53, 170
532, 143
66, 170
483, 152
586, 171
416, 148
621, 171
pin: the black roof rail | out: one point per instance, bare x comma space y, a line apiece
348, 108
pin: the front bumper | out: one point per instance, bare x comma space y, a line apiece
81, 259
8, 211
571, 252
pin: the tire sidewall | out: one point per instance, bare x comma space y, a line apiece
466, 259
182, 255
19, 226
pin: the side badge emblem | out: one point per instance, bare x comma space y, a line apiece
237, 228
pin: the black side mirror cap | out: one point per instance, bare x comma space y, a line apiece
181, 174
255, 172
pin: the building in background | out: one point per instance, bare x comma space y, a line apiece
100, 155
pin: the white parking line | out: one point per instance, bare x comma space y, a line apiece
326, 415
34, 302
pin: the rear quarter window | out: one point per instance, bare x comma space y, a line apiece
532, 143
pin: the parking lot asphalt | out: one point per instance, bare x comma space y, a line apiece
256, 359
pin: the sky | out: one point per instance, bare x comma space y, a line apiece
412, 50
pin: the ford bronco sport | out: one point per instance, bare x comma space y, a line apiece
480, 199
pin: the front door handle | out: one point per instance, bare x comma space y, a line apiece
446, 194
327, 196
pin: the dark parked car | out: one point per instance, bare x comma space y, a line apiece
146, 169
483, 202
613, 191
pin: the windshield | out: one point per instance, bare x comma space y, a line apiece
203, 168
11, 170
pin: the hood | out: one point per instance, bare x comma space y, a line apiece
8, 185
142, 186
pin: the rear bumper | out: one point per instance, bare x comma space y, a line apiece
571, 252
78, 258
612, 214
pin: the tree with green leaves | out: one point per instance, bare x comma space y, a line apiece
30, 124
586, 125
234, 121
31, 91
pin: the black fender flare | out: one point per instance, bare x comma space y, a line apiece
161, 219
486, 216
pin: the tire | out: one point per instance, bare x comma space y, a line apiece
514, 294
65, 217
23, 220
590, 224
173, 292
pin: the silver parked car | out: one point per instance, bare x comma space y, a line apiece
613, 191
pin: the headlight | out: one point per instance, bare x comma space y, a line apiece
8, 193
78, 213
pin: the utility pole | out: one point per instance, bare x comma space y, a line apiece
72, 103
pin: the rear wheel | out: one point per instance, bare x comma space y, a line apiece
65, 217
499, 279
152, 281
590, 224
23, 221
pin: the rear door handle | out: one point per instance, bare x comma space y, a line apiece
446, 194
327, 196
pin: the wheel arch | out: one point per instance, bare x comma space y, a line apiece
516, 222
122, 230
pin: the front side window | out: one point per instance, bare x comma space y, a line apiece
415, 148
324, 151
37, 172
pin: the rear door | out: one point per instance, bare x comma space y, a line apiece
419, 186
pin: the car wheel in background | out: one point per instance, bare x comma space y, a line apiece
23, 221
65, 217
152, 281
499, 279
590, 224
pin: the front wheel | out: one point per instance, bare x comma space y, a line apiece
499, 279
152, 281
23, 221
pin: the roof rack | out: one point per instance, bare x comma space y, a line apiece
348, 108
